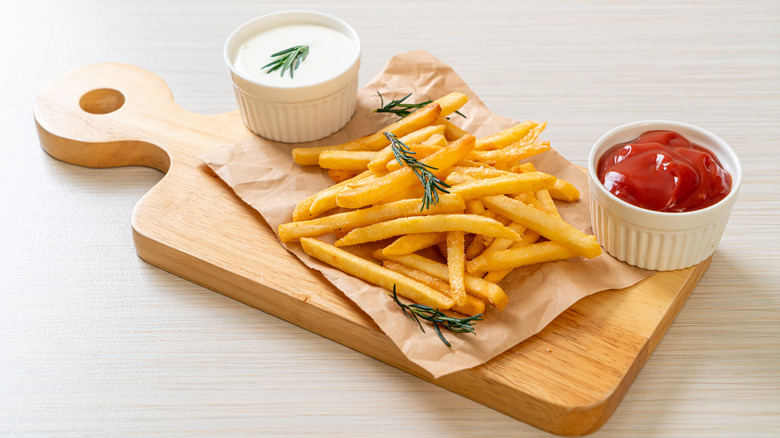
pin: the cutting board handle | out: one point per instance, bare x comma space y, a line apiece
112, 114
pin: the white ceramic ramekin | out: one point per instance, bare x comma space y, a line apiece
293, 114
654, 240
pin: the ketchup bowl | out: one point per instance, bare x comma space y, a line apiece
661, 240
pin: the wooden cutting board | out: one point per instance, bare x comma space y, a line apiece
567, 380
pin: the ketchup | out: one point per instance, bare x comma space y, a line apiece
663, 171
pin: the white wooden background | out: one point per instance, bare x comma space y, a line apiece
96, 342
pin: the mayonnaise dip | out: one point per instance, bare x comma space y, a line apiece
330, 53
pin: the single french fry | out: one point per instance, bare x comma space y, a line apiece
528, 238
564, 191
413, 139
469, 223
456, 264
476, 286
339, 175
424, 116
473, 305
547, 203
505, 138
503, 185
547, 251
510, 154
375, 274
548, 226
412, 243
382, 187
481, 172
347, 221
410, 192
345, 160
451, 102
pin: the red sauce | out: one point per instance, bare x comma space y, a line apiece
663, 171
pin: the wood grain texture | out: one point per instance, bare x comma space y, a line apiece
97, 342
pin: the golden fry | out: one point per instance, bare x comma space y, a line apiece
350, 220
564, 191
510, 154
456, 264
505, 138
547, 251
503, 185
412, 243
340, 175
451, 103
547, 203
469, 223
346, 160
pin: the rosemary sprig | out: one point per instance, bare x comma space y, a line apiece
401, 109
288, 59
431, 183
437, 318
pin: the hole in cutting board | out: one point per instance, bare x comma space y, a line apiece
102, 101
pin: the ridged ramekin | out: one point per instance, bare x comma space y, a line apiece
294, 114
654, 240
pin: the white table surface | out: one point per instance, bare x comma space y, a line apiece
96, 342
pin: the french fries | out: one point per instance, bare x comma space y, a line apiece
405, 176
545, 224
428, 224
474, 285
418, 119
473, 305
347, 221
375, 274
512, 258
474, 199
345, 160
411, 243
456, 265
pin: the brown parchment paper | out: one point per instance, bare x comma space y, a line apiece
261, 172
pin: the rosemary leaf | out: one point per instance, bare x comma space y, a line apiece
431, 183
402, 109
288, 59
440, 320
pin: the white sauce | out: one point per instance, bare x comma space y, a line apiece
330, 53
